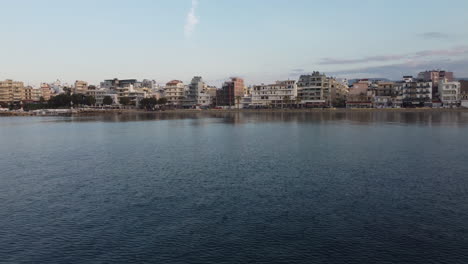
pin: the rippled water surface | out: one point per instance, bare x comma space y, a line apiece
379, 187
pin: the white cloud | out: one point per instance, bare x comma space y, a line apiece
192, 20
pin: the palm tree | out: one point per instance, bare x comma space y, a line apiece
238, 99
287, 99
298, 100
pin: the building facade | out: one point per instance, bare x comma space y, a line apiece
415, 92
11, 91
449, 92
279, 94
435, 76
80, 87
360, 96
175, 92
339, 91
231, 92
314, 90
198, 94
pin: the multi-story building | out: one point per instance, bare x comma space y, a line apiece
80, 87
415, 92
383, 93
338, 92
32, 95
360, 96
231, 92
46, 91
279, 94
435, 76
198, 94
314, 90
449, 92
98, 95
175, 92
464, 93
114, 84
11, 91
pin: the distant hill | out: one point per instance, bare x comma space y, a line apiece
462, 79
370, 79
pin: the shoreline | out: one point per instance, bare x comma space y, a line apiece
88, 112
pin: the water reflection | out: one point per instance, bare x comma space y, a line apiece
425, 118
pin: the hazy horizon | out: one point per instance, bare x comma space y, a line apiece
261, 41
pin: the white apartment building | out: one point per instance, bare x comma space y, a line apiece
449, 93
278, 94
198, 94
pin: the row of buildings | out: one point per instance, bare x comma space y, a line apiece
428, 89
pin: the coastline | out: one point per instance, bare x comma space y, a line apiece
88, 112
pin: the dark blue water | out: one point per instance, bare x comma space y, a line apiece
235, 188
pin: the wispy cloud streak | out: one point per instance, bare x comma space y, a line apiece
192, 20
456, 51
434, 35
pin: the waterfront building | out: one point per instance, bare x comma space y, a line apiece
464, 93
132, 89
80, 87
449, 93
31, 94
231, 92
198, 94
360, 96
46, 91
175, 92
415, 92
314, 90
11, 91
339, 90
435, 76
279, 94
383, 93
98, 95
135, 95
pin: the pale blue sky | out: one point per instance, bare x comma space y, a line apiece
260, 40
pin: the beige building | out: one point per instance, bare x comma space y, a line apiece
32, 94
360, 95
175, 92
46, 91
338, 92
80, 87
11, 91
